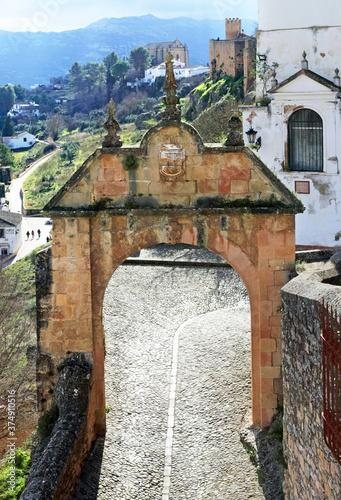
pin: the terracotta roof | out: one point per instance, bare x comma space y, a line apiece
9, 219
310, 74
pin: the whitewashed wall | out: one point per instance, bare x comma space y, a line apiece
19, 141
286, 30
275, 15
12, 238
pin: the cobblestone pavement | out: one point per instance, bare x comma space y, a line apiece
148, 454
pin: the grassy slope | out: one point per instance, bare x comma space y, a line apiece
37, 192
23, 271
36, 151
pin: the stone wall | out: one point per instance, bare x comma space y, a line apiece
313, 472
59, 457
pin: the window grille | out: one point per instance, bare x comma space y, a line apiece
306, 141
331, 341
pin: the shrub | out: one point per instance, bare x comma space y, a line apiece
48, 148
22, 463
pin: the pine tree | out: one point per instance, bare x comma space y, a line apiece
7, 130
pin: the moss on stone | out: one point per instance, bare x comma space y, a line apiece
130, 162
47, 421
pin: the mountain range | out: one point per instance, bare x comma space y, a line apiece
28, 58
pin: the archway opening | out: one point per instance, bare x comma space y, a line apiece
177, 376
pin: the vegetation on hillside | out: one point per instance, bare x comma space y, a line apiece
212, 122
17, 316
47, 179
21, 463
210, 92
18, 333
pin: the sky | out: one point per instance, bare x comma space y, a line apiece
60, 15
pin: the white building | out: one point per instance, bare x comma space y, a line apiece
10, 232
180, 71
24, 140
300, 130
31, 109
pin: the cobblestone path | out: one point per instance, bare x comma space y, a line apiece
164, 445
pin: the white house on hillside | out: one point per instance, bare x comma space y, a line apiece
10, 232
24, 140
300, 130
180, 71
31, 109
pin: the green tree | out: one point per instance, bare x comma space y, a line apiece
7, 99
141, 59
20, 92
120, 69
6, 156
77, 77
7, 130
94, 75
70, 149
109, 62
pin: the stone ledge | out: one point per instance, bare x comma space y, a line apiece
321, 289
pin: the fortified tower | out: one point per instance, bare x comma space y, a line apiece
233, 28
235, 55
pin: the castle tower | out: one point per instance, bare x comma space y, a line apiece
233, 28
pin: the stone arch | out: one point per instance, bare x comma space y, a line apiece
218, 244
171, 188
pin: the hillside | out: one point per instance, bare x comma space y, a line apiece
28, 58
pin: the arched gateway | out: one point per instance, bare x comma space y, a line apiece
171, 188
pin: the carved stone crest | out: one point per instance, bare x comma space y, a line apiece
172, 161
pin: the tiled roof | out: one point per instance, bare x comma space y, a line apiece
9, 219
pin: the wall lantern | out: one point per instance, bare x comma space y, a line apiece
251, 135
262, 57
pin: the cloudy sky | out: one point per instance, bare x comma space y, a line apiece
59, 15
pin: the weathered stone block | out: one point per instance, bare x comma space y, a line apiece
239, 187
224, 187
268, 345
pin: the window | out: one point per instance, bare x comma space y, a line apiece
305, 141
2, 233
25, 139
4, 251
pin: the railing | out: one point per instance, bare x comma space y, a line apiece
331, 341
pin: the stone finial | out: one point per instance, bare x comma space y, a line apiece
171, 99
274, 81
337, 80
304, 62
112, 140
234, 132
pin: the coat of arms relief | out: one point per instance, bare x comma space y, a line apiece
172, 161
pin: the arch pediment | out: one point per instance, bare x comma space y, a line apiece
173, 168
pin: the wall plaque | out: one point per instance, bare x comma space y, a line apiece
302, 187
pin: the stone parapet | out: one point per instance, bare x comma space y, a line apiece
59, 457
312, 472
